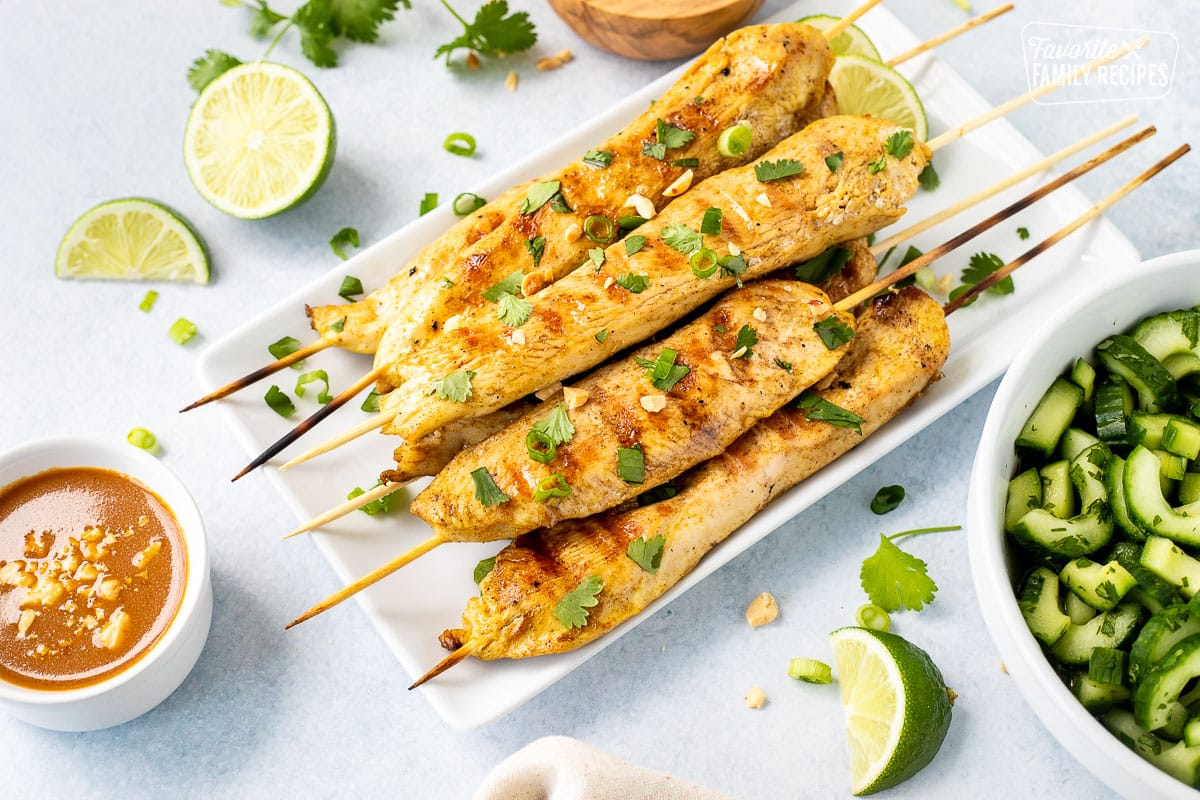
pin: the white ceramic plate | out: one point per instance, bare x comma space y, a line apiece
412, 608
1160, 285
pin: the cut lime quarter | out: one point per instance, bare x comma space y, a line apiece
132, 239
865, 87
896, 704
851, 41
260, 140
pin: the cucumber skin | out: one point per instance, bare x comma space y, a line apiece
1160, 633
1162, 685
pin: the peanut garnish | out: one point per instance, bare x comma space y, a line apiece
472, 60
555, 61
26, 619
109, 588
763, 200
762, 609
573, 233
112, 632
37, 545
146, 556
755, 698
654, 402
517, 336
679, 185
574, 398
641, 205
760, 315
510, 82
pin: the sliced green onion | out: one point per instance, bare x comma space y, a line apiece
873, 617
144, 439
552, 486
630, 222
735, 140
467, 203
601, 335
599, 229
337, 327
460, 143
351, 286
285, 347
810, 670
279, 402
372, 402
323, 396
887, 499
540, 446
148, 301
428, 202
346, 237
704, 263
182, 331
925, 278
711, 224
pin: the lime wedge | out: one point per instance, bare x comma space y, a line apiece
866, 87
260, 140
851, 41
132, 239
896, 704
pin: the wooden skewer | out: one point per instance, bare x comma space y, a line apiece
995, 219
1007, 183
970, 24
348, 435
364, 499
259, 374
308, 424
1064, 232
845, 22
1028, 97
367, 580
449, 661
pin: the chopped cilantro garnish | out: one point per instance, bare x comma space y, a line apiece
558, 204
1023, 232
598, 158
539, 195
833, 162
978, 268
680, 237
879, 165
571, 611
285, 347
821, 410
382, 505
631, 464
279, 402
647, 553
633, 282
685, 162
711, 224
337, 325
899, 144
510, 284
536, 247
747, 337
767, 171
486, 491
664, 491
556, 426
513, 311
819, 269
428, 203
601, 335
734, 266
493, 32
928, 178
833, 332
455, 387
596, 254
634, 244
666, 137
483, 569
786, 366
663, 373
630, 222
371, 403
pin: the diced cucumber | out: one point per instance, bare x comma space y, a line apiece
1191, 731
1148, 429
1164, 558
1039, 606
1024, 494
1114, 404
1189, 488
1150, 509
1041, 531
1163, 631
1101, 586
1156, 388
1182, 438
1083, 375
1159, 689
1168, 333
1079, 611
1114, 485
1074, 441
1058, 495
1051, 417
1110, 629
1098, 697
1107, 665
1182, 365
1176, 759
1139, 595
1129, 556
1177, 716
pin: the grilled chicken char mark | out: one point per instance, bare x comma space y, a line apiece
901, 345
771, 224
728, 387
772, 76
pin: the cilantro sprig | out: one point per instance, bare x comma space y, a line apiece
455, 387
493, 32
980, 266
571, 611
767, 171
894, 579
666, 137
647, 553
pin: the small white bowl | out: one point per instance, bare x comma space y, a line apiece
1159, 285
133, 691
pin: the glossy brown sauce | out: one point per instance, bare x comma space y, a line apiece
92, 570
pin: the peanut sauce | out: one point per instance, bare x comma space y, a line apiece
92, 571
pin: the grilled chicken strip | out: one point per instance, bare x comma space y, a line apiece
901, 345
730, 382
771, 76
429, 454
768, 224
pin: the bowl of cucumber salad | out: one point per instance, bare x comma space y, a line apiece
1084, 527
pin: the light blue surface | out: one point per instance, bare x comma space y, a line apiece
94, 107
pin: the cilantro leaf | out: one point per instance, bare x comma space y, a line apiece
557, 426
285, 347
647, 553
928, 178
383, 505
682, 238
786, 366
493, 32
279, 402
633, 282
513, 311
455, 387
833, 162
894, 579
483, 569
539, 195
596, 255
663, 373
371, 403
631, 464
598, 158
878, 166
767, 171
337, 326
509, 284
899, 144
980, 266
711, 224
346, 237
536, 247
634, 244
428, 203
601, 335
823, 267
1023, 232
833, 332
571, 611
666, 137
733, 265
821, 410
487, 493
359, 20
747, 337
262, 19
664, 491
316, 36
210, 66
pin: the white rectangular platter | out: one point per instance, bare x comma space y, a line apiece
411, 608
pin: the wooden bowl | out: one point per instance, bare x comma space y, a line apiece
655, 30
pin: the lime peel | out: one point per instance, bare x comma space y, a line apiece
851, 41
866, 87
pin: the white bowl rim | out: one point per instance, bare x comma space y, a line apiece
1083, 735
184, 509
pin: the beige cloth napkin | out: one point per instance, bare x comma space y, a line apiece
561, 768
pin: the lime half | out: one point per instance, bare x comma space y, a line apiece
132, 239
866, 87
851, 41
896, 704
260, 140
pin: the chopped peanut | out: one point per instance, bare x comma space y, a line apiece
654, 402
574, 398
11, 573
760, 315
517, 336
573, 233
762, 609
555, 61
37, 544
755, 698
608, 282
472, 60
26, 619
112, 632
510, 82
86, 572
679, 185
109, 588
146, 556
641, 205
47, 593
763, 200
741, 351
734, 250
944, 284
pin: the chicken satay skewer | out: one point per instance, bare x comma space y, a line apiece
844, 304
908, 269
474, 645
